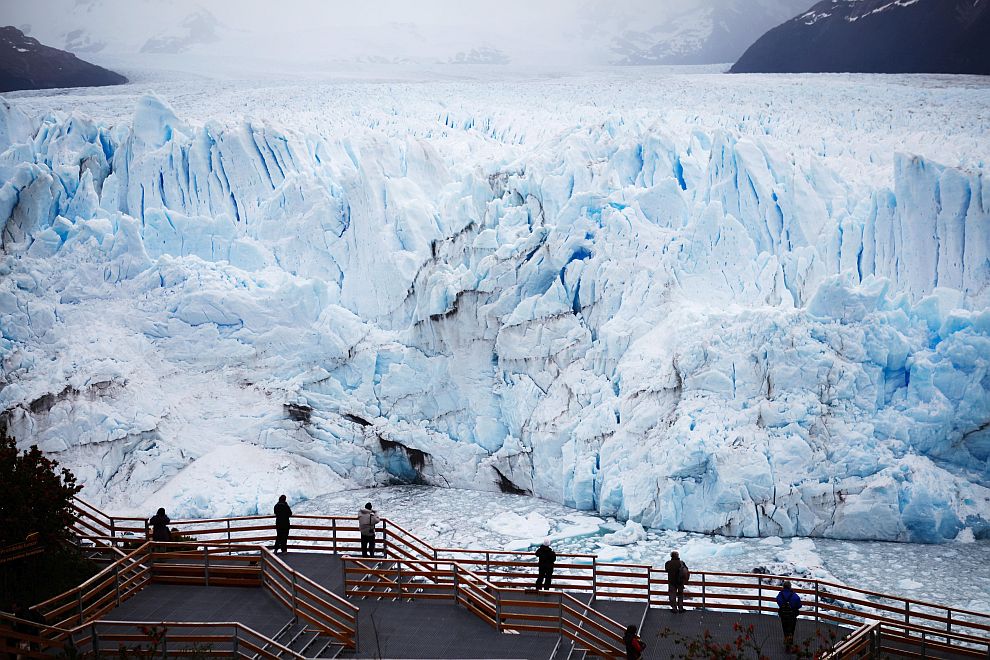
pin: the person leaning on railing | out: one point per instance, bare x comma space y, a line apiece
367, 519
159, 526
282, 515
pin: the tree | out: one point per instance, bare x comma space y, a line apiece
35, 495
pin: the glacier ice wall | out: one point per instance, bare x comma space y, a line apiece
694, 330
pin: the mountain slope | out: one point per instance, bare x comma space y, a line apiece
877, 36
25, 63
709, 33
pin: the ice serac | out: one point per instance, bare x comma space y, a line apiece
694, 330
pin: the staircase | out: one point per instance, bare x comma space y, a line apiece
307, 641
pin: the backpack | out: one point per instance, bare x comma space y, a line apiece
685, 573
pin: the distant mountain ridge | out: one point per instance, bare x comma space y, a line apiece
877, 36
26, 63
713, 33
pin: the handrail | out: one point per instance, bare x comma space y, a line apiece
242, 635
335, 616
825, 600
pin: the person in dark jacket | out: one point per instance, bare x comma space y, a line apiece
634, 645
545, 557
159, 526
675, 581
367, 519
788, 604
282, 515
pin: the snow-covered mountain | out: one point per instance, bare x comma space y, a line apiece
27, 64
703, 305
877, 36
711, 32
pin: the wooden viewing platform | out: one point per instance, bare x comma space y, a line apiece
226, 591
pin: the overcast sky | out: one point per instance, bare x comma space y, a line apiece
544, 30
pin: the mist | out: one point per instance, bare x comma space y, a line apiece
298, 32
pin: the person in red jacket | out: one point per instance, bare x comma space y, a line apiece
634, 645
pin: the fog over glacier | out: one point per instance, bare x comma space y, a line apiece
735, 304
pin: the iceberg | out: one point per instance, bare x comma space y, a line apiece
709, 330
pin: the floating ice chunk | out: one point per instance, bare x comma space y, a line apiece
512, 524
633, 532
908, 584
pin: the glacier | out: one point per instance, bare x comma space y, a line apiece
755, 320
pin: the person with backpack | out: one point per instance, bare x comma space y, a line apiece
367, 519
545, 557
282, 515
677, 576
159, 526
634, 645
788, 604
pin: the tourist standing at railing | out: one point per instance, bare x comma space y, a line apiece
367, 519
159, 526
677, 574
634, 645
546, 558
282, 515
788, 604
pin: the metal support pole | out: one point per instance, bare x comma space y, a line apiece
759, 594
295, 598
96, 641
816, 601
455, 584
228, 531
560, 614
113, 533
594, 581
488, 566
116, 581
907, 613
703, 591
498, 610
384, 537
237, 651
80, 607
924, 645
333, 533
206, 564
398, 579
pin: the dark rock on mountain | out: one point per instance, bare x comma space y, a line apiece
25, 63
877, 36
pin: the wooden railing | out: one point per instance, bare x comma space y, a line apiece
312, 602
29, 639
100, 593
824, 601
172, 639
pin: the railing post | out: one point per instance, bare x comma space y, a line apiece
455, 584
498, 610
816, 601
228, 531
333, 533
295, 598
488, 566
384, 537
206, 564
398, 579
116, 581
560, 614
759, 595
237, 650
924, 645
80, 607
907, 613
703, 591
164, 644
96, 641
113, 533
594, 581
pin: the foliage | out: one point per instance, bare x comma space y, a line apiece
746, 646
156, 647
35, 495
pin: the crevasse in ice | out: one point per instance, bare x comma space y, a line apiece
689, 331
